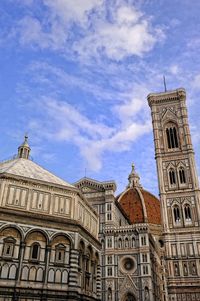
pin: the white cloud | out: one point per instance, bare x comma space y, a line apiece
116, 42
127, 15
63, 122
127, 32
174, 69
72, 11
196, 82
133, 105
32, 33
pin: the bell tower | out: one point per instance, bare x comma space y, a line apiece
179, 193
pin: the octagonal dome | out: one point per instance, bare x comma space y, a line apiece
139, 205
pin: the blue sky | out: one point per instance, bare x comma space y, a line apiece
75, 75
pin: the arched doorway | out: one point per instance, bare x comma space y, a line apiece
129, 297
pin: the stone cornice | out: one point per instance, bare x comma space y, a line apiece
41, 220
168, 96
52, 188
102, 186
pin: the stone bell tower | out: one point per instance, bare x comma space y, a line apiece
179, 193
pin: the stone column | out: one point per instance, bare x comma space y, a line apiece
98, 282
47, 257
21, 257
73, 274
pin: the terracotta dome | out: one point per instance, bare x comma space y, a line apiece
139, 205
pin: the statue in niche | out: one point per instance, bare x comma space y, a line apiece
194, 269
176, 269
146, 294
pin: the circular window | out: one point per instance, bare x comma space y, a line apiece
127, 264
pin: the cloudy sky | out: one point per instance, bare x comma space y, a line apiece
75, 75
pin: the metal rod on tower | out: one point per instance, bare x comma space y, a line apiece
164, 83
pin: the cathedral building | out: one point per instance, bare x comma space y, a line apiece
82, 242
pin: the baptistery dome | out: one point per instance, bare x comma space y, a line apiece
139, 205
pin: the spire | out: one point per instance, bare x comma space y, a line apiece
134, 179
24, 149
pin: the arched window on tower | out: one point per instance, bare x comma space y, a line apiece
187, 211
172, 176
182, 177
172, 137
176, 214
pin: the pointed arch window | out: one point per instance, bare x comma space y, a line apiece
187, 212
182, 177
126, 242
133, 242
172, 176
120, 243
172, 138
176, 214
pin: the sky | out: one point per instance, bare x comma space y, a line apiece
75, 75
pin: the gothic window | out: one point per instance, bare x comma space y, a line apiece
145, 269
176, 214
133, 242
144, 257
109, 216
126, 242
187, 212
182, 177
143, 240
172, 177
35, 249
8, 248
109, 271
120, 243
172, 138
60, 253
109, 207
109, 259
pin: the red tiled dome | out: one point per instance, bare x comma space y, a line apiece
140, 206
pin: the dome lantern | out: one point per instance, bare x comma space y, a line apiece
24, 149
134, 179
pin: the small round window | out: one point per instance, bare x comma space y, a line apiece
127, 264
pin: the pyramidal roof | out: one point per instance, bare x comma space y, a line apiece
28, 169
